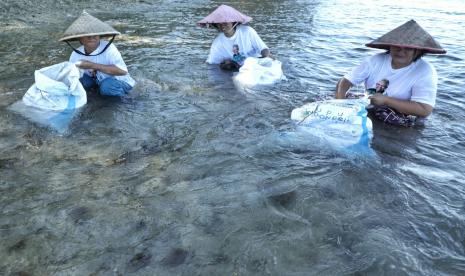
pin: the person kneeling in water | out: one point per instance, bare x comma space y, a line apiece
103, 64
230, 23
412, 80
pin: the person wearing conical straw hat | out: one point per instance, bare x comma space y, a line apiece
103, 64
235, 38
412, 80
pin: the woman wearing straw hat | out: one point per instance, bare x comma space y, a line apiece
104, 67
412, 80
234, 38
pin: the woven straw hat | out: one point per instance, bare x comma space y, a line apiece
408, 35
224, 14
87, 25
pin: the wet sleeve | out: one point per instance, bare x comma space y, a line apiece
360, 73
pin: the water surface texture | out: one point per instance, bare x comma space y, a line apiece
191, 176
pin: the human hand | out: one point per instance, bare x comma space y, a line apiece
85, 64
378, 99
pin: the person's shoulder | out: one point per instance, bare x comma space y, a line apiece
376, 58
219, 38
76, 56
111, 50
380, 56
424, 63
244, 28
425, 66
80, 48
111, 47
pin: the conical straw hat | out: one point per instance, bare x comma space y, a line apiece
224, 14
87, 25
408, 35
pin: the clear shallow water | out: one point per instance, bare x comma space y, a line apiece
190, 176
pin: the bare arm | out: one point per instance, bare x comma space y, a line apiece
403, 106
107, 69
343, 85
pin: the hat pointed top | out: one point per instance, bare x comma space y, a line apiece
87, 25
408, 35
224, 14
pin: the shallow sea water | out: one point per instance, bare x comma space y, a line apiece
191, 176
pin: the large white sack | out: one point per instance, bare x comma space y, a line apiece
57, 88
342, 123
259, 71
59, 121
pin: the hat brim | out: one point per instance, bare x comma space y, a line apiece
78, 36
387, 46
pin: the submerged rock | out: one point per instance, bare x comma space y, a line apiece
17, 246
139, 261
285, 200
175, 257
80, 214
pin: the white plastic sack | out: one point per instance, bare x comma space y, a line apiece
259, 71
57, 88
55, 98
343, 123
59, 121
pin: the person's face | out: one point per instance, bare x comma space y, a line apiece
235, 50
402, 57
380, 86
90, 42
226, 27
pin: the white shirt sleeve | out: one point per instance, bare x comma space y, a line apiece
214, 56
257, 42
74, 57
424, 89
360, 73
115, 58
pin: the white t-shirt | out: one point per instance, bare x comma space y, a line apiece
417, 82
111, 56
250, 45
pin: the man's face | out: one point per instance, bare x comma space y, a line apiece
380, 86
90, 42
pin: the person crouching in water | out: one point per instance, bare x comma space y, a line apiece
233, 33
104, 67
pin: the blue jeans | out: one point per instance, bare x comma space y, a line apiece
107, 87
